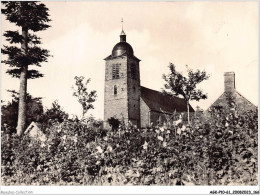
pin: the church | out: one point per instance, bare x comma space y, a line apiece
124, 97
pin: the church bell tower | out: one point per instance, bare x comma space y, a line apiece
122, 84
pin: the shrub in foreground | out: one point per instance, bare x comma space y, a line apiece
220, 150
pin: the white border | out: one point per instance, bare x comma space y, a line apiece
136, 189
126, 189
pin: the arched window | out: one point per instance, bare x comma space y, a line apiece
115, 90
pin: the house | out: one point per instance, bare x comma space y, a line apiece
232, 96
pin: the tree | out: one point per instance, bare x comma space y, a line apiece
186, 87
84, 97
10, 111
29, 16
54, 113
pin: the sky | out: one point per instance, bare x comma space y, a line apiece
213, 36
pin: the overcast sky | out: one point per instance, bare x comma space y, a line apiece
212, 36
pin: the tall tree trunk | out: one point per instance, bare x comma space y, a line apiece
23, 87
188, 109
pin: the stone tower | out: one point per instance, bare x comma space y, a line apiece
122, 84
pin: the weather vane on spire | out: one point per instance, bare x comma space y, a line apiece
122, 35
122, 24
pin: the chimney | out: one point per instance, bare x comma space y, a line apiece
229, 81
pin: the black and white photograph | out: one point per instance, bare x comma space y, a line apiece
128, 93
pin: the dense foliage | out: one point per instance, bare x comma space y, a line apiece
9, 111
34, 113
219, 150
114, 123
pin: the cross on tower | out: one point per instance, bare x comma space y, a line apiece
122, 23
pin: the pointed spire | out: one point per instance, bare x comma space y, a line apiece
122, 35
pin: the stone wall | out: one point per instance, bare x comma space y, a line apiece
144, 110
134, 91
116, 105
157, 118
126, 103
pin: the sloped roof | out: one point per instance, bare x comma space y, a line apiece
31, 126
245, 98
221, 101
34, 131
158, 101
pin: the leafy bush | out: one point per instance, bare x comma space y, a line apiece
55, 113
113, 122
219, 150
52, 116
9, 111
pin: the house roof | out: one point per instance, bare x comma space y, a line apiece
34, 131
235, 94
157, 101
31, 126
